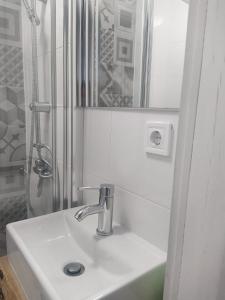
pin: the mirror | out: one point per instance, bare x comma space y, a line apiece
135, 53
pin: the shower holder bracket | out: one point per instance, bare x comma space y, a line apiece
40, 107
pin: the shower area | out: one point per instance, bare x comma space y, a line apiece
29, 172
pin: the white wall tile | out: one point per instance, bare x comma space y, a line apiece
148, 220
114, 153
131, 168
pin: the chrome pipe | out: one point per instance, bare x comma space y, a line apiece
71, 29
66, 100
78, 49
55, 171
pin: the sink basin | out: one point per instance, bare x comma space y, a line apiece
121, 266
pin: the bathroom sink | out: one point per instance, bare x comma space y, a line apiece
121, 266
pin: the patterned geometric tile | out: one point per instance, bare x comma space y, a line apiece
11, 180
3, 130
10, 24
124, 50
3, 93
11, 66
107, 46
19, 153
12, 144
8, 112
116, 49
12, 119
12, 125
3, 145
11, 210
21, 112
13, 95
15, 134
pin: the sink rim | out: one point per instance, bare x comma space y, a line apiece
43, 279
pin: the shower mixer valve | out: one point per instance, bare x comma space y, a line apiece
42, 168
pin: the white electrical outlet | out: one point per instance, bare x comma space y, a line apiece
158, 138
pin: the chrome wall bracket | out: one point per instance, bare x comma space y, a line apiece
40, 107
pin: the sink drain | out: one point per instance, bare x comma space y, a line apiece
74, 269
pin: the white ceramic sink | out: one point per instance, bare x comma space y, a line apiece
122, 266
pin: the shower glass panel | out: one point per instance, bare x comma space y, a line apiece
28, 173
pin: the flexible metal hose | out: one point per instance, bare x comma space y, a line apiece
32, 13
35, 120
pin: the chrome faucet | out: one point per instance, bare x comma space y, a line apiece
104, 209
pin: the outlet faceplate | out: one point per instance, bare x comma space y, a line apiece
158, 138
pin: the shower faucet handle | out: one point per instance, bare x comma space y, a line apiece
87, 188
106, 190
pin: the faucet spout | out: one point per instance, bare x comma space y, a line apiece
87, 211
104, 209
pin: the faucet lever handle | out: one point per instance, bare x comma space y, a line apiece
87, 188
105, 190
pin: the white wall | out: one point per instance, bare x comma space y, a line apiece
113, 150
114, 153
114, 140
168, 50
203, 261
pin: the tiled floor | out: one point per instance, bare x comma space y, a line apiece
11, 210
